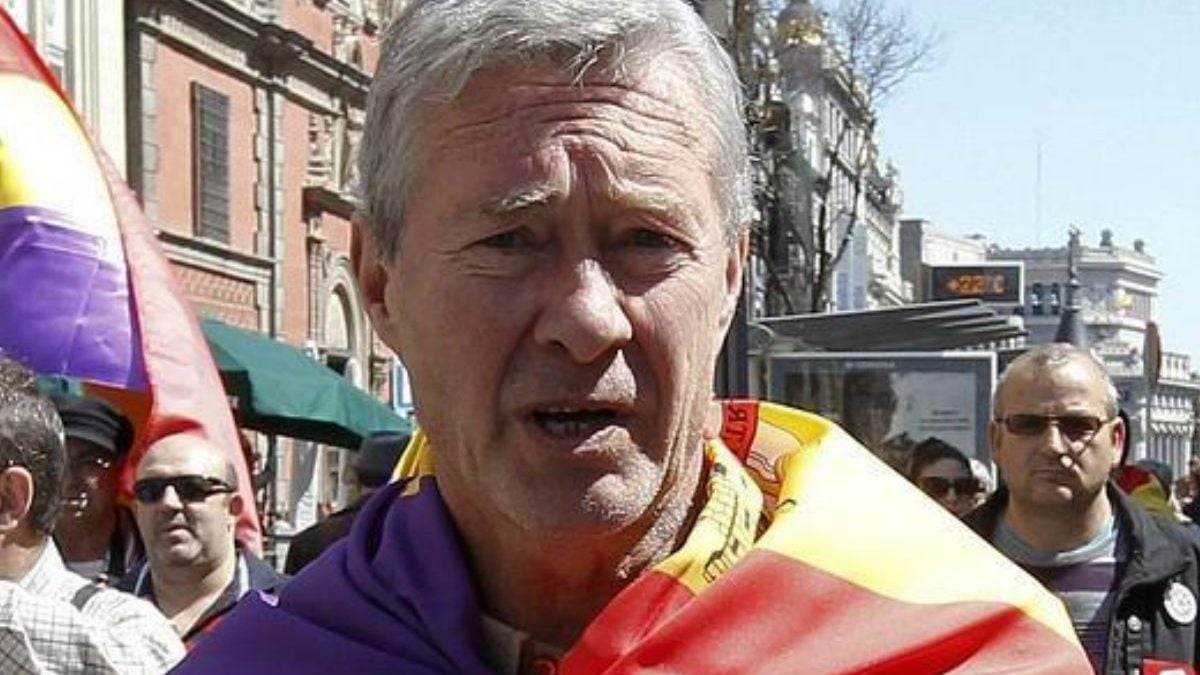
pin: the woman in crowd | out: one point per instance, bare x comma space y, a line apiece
944, 473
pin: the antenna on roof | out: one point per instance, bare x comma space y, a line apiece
1037, 196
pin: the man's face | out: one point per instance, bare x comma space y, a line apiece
559, 294
869, 403
1049, 470
178, 532
89, 486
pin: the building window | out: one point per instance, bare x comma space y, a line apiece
210, 169
1055, 298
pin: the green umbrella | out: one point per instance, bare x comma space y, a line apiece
279, 390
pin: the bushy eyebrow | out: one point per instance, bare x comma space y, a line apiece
536, 196
521, 199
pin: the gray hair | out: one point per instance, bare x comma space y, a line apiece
1057, 355
433, 47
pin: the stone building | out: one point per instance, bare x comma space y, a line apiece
84, 48
833, 192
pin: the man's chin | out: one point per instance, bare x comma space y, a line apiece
609, 506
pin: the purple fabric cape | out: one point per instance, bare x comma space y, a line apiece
393, 597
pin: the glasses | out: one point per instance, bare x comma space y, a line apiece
190, 489
1076, 428
937, 487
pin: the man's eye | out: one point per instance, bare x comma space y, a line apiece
652, 239
507, 240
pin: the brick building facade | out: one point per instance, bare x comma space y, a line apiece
243, 123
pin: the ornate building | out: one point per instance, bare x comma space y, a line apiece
833, 195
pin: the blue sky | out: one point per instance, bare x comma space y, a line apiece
1110, 89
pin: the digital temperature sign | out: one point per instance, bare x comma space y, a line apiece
989, 283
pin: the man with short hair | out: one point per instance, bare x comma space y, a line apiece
373, 467
96, 535
556, 205
1128, 580
52, 620
187, 507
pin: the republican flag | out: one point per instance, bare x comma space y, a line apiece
85, 291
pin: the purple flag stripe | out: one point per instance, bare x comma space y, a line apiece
66, 311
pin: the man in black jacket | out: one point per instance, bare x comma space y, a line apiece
377, 457
1128, 580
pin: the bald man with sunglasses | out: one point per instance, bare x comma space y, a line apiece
186, 507
1128, 580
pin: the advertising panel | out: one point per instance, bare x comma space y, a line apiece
892, 401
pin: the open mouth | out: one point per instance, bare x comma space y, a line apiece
573, 422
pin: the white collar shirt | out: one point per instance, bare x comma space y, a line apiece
43, 631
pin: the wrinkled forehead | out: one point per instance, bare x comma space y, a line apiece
525, 101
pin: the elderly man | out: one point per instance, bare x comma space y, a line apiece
187, 506
52, 620
552, 238
1128, 580
96, 535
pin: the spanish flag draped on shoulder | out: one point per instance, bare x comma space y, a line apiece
84, 290
809, 556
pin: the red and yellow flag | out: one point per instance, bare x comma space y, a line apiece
812, 556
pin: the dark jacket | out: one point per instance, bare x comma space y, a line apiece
252, 573
312, 541
1161, 554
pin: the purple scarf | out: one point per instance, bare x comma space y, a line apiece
375, 602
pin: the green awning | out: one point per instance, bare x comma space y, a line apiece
278, 390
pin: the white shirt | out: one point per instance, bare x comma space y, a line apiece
41, 631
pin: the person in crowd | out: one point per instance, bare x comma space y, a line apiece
51, 619
96, 534
944, 473
553, 229
1129, 580
187, 506
373, 467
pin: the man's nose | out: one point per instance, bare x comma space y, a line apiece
170, 498
584, 313
1054, 438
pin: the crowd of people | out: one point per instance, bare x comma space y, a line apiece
554, 221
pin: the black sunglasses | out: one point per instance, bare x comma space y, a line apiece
189, 488
1076, 428
936, 486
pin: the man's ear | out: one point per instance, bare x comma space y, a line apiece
738, 250
993, 436
16, 497
372, 273
236, 504
1118, 439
